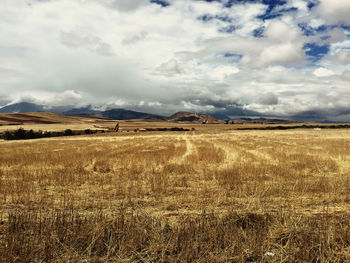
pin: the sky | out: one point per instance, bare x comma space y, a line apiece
275, 57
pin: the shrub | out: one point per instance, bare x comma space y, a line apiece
88, 131
20, 134
68, 132
8, 136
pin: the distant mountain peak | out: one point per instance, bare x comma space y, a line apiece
22, 107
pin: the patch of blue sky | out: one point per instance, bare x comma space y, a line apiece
230, 55
259, 32
274, 7
160, 2
231, 58
228, 29
347, 28
273, 13
207, 17
311, 31
311, 4
210, 1
316, 52
271, 3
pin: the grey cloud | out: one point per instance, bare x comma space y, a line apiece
104, 49
218, 104
72, 39
19, 51
8, 72
268, 99
43, 1
335, 12
346, 75
135, 38
289, 93
170, 67
4, 101
123, 5
324, 114
337, 35
91, 42
342, 57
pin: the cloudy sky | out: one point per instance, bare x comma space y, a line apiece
278, 57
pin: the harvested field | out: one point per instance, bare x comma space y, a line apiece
45, 120
208, 195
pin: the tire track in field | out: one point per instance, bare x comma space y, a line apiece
190, 148
231, 153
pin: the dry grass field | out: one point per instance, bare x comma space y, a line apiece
47, 121
210, 195
53, 122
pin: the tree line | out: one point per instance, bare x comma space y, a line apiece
22, 134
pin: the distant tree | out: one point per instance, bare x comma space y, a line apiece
88, 131
31, 135
47, 134
39, 134
20, 134
8, 136
68, 132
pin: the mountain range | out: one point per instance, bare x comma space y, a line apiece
231, 113
22, 107
116, 114
124, 114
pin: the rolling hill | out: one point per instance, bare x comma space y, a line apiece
114, 114
194, 118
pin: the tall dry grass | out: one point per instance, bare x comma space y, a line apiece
209, 196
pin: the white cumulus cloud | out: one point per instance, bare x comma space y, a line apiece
323, 72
